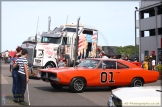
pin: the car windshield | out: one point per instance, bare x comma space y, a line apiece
89, 63
54, 40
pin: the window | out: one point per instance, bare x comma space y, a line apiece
88, 32
147, 13
146, 53
70, 29
121, 66
108, 64
159, 31
152, 32
64, 41
54, 40
89, 63
159, 9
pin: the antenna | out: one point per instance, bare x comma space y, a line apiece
66, 19
36, 30
49, 23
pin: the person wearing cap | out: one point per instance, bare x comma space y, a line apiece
23, 75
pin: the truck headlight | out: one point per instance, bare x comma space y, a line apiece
37, 61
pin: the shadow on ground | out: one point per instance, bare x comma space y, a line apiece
66, 89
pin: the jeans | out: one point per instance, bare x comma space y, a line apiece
22, 78
16, 84
6, 60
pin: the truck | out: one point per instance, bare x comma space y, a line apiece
30, 45
46, 53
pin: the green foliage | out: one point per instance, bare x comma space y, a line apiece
159, 68
127, 50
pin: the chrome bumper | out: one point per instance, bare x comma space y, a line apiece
49, 77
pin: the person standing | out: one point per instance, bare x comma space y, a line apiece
153, 64
150, 63
1, 56
15, 86
66, 58
6, 56
61, 63
23, 74
145, 66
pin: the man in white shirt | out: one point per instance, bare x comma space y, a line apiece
153, 64
6, 56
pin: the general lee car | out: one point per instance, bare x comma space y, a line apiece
98, 72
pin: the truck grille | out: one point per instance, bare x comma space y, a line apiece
30, 56
117, 101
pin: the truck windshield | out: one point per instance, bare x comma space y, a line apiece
54, 40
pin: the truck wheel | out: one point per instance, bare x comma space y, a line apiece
77, 85
56, 86
49, 65
137, 82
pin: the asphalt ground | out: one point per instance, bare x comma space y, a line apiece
42, 94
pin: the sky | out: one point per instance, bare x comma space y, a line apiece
114, 20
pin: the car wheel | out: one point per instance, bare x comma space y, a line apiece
49, 65
56, 86
77, 85
137, 82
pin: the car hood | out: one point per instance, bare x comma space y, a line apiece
139, 96
64, 69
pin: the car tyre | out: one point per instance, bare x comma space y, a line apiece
56, 86
137, 82
77, 85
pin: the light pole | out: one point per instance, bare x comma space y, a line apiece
76, 45
156, 33
135, 32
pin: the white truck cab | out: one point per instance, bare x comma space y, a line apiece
63, 39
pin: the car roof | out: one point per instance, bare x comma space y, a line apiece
119, 60
104, 59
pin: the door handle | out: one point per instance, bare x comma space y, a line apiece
117, 72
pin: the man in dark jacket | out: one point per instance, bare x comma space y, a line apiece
150, 63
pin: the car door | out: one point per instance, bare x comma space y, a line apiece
113, 74
108, 76
126, 74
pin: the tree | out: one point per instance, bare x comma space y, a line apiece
127, 50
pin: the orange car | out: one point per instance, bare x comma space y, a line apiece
98, 72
